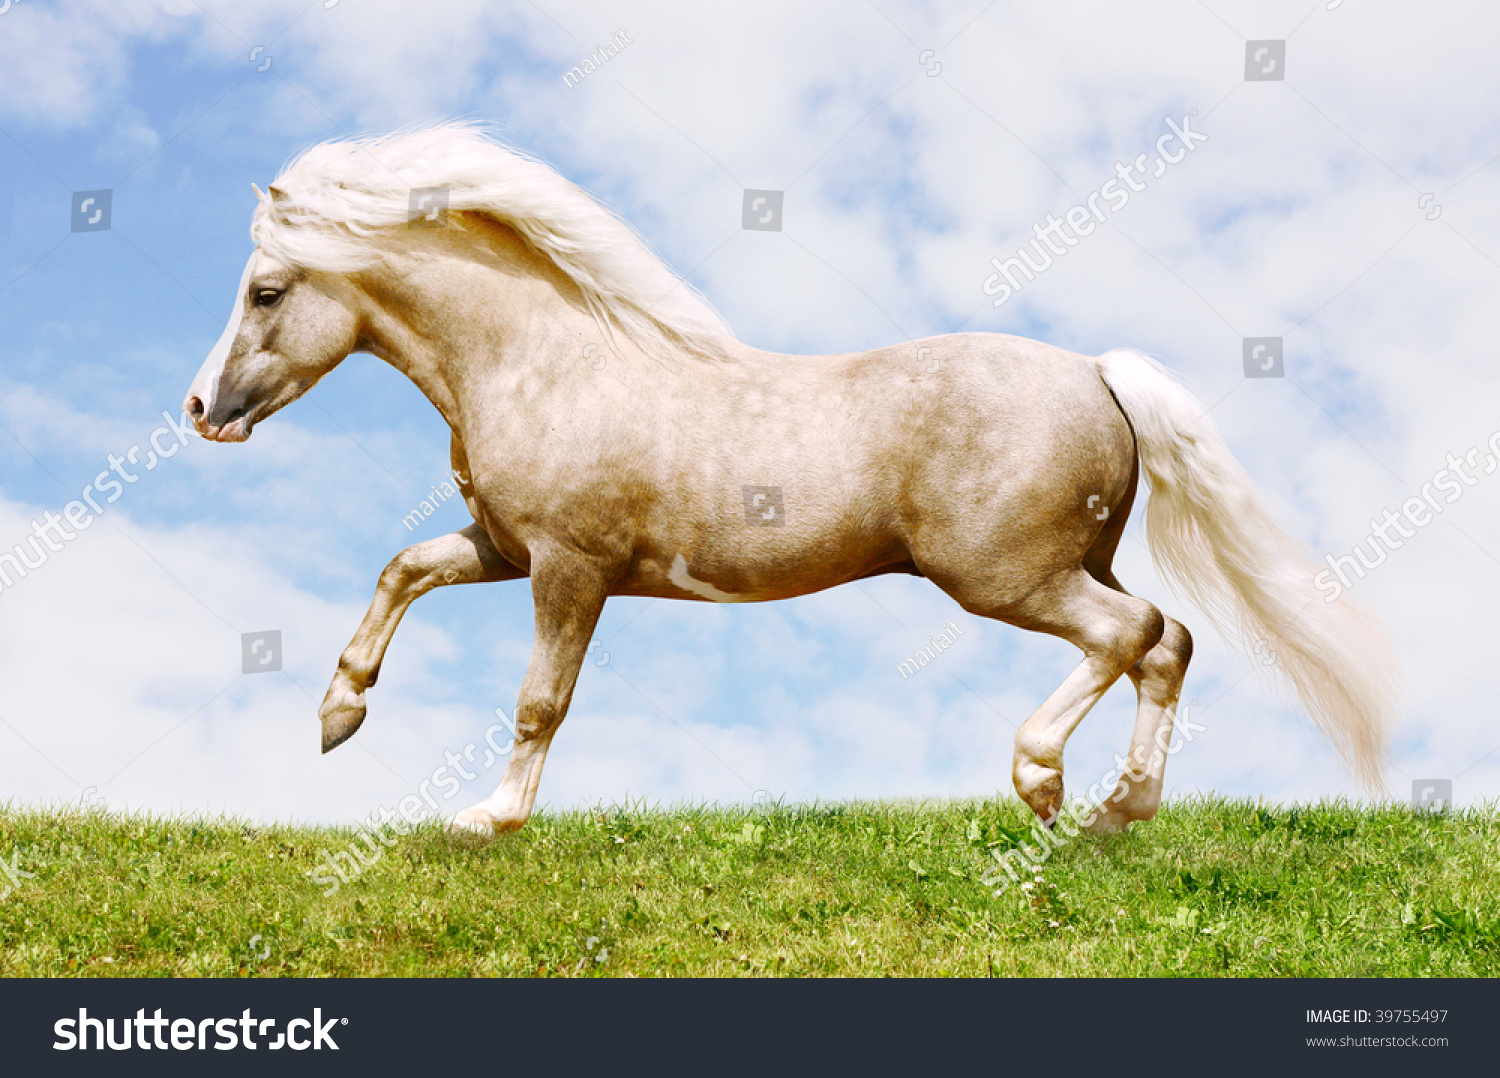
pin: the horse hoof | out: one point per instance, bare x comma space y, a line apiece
1041, 788
341, 715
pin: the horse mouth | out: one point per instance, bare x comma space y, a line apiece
236, 430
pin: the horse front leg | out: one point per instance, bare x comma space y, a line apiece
569, 592
464, 557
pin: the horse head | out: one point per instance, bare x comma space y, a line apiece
290, 326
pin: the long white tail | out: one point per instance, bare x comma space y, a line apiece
1214, 540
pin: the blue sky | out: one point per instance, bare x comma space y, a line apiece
120, 658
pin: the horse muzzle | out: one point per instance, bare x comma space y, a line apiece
234, 427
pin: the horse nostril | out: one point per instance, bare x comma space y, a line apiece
194, 408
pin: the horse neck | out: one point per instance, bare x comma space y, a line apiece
441, 309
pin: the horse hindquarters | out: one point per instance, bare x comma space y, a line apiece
1025, 537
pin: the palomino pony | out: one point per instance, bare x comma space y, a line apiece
691, 466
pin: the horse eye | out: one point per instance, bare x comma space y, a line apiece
266, 297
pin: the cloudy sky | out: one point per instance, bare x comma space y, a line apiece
1345, 201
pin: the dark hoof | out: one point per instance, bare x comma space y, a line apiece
340, 723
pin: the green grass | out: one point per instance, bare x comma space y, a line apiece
1210, 888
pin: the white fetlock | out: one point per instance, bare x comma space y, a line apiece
1108, 820
475, 822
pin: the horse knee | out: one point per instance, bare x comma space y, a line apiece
401, 571
537, 717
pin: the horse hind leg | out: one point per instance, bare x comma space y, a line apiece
1158, 682
1112, 629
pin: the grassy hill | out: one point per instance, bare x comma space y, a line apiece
1210, 888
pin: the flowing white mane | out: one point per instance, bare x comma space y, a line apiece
335, 199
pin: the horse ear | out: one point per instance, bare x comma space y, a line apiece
259, 194
277, 194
